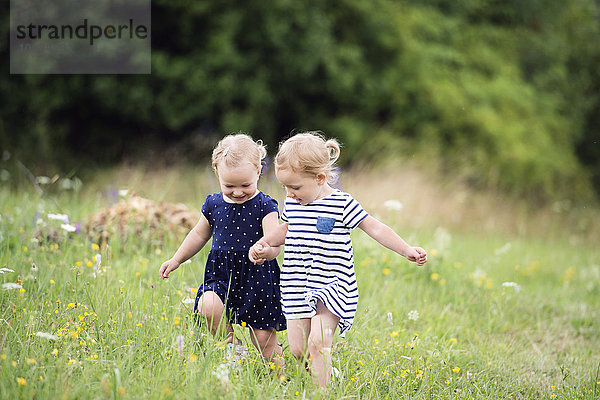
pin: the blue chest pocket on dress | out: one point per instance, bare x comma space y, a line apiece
325, 224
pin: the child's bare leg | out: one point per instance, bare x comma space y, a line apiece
212, 308
298, 331
320, 340
265, 340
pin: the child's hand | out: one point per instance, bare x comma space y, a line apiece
167, 267
258, 252
253, 254
418, 255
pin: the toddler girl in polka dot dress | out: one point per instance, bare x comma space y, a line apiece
318, 284
236, 218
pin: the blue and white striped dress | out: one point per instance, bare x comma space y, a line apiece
318, 262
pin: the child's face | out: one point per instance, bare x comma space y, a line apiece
303, 188
238, 184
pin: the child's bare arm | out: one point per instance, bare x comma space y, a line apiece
270, 224
193, 243
390, 239
274, 238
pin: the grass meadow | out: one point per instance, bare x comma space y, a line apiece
506, 308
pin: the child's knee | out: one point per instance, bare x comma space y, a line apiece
317, 344
298, 351
210, 306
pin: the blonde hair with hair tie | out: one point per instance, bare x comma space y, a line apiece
309, 153
236, 149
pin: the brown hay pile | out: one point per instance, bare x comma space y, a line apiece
141, 217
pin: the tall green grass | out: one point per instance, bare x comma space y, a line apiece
491, 315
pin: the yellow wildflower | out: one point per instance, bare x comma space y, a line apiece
22, 381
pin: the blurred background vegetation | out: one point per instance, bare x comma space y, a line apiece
502, 93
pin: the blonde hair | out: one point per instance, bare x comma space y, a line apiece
234, 150
309, 153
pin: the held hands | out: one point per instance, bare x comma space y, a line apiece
167, 267
259, 252
416, 254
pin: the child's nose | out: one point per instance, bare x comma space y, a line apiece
288, 192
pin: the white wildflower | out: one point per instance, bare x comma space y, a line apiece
180, 344
68, 227
43, 180
59, 217
390, 318
11, 285
123, 192
97, 268
67, 184
3, 270
394, 205
45, 335
222, 374
503, 249
188, 301
34, 268
413, 315
479, 274
442, 239
513, 285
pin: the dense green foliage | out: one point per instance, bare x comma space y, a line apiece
503, 92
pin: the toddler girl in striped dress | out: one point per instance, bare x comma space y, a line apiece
318, 284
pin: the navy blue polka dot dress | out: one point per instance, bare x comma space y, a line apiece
250, 292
